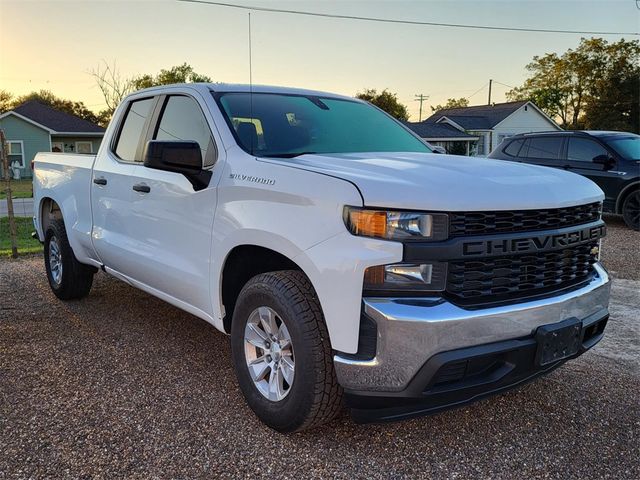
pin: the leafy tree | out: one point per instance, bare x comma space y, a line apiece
452, 103
5, 101
594, 86
386, 101
115, 87
46, 97
179, 74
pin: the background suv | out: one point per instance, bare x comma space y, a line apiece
610, 159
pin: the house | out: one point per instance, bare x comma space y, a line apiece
487, 124
452, 139
34, 127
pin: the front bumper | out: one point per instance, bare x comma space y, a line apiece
413, 333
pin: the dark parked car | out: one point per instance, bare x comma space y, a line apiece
610, 159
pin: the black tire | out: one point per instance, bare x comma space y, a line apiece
631, 210
75, 278
314, 397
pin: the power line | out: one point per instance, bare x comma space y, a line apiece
404, 22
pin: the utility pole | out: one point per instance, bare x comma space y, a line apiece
421, 98
490, 82
4, 158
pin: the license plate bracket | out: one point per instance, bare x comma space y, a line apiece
558, 341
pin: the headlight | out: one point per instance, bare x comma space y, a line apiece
396, 225
403, 277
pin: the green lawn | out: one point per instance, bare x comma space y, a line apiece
26, 244
19, 188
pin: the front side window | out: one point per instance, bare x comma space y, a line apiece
182, 119
584, 150
547, 148
281, 125
132, 130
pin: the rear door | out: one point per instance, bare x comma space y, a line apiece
579, 159
111, 187
543, 150
171, 223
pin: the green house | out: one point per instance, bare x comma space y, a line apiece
34, 127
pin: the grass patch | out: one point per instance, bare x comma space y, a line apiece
26, 244
19, 188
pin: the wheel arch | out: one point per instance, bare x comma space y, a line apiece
633, 185
242, 263
48, 210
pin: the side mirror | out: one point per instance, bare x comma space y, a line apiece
179, 157
606, 161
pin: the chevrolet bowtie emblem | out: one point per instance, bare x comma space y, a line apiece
595, 250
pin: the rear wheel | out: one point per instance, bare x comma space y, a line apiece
281, 352
631, 210
68, 278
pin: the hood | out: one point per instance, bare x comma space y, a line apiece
421, 181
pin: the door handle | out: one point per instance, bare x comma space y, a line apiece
100, 181
142, 188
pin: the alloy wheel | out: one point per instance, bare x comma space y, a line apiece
55, 261
269, 353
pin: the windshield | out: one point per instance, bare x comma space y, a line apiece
627, 147
281, 125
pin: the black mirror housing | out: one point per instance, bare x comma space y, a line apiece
178, 156
606, 161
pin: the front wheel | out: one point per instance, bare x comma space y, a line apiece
281, 353
68, 278
631, 210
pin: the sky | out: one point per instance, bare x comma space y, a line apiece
54, 45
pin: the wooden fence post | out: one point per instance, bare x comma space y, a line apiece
13, 234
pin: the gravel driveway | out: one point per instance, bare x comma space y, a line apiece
124, 385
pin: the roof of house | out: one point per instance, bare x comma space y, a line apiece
55, 120
480, 117
430, 130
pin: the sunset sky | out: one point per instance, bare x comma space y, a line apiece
54, 44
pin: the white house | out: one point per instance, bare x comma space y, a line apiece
490, 124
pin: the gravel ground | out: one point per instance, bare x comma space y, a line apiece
124, 385
621, 249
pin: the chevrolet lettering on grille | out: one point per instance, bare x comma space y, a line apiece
533, 244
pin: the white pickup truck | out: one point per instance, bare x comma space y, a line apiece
344, 258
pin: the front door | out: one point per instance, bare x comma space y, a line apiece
580, 154
172, 222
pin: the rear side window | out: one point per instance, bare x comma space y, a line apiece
547, 148
132, 130
182, 119
514, 147
584, 150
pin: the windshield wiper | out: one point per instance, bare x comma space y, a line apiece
287, 155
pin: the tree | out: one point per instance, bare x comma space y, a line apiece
386, 101
46, 97
452, 103
594, 86
6, 99
115, 87
179, 74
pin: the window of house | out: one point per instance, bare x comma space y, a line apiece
132, 130
544, 147
584, 150
84, 147
16, 152
182, 119
57, 147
